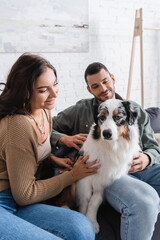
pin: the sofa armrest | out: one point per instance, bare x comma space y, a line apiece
157, 137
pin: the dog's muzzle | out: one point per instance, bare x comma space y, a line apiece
107, 134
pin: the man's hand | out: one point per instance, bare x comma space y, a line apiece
139, 163
65, 163
73, 141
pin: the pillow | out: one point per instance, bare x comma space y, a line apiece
154, 115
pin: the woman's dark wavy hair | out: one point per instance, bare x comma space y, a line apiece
16, 95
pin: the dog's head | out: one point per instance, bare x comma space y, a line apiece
114, 119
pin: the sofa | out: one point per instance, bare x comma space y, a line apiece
108, 218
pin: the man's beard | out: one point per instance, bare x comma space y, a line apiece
102, 100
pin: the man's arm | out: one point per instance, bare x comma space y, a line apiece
149, 144
139, 163
74, 141
62, 124
71, 126
150, 149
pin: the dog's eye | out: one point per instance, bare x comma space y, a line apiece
102, 118
117, 117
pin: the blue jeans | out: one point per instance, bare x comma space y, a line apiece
41, 222
136, 197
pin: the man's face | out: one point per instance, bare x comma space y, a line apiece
101, 85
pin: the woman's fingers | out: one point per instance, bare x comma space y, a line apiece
82, 168
83, 159
90, 164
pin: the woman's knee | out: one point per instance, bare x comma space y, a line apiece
81, 227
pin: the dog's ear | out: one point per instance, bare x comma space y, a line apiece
132, 112
95, 113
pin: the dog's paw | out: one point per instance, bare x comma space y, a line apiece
94, 222
66, 207
96, 226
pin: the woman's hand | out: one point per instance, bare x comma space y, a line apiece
65, 163
82, 169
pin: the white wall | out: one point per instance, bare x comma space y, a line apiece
111, 24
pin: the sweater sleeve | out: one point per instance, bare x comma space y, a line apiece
20, 153
25, 188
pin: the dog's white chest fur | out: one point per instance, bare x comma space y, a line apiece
114, 143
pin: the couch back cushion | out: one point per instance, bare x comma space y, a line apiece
154, 115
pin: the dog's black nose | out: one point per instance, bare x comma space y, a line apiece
107, 134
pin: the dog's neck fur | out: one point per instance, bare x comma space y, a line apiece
113, 148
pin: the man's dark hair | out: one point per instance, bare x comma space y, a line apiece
94, 68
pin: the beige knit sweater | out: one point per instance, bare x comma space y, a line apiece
18, 163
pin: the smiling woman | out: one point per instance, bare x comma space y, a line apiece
25, 127
46, 90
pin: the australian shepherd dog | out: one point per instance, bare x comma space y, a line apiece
113, 140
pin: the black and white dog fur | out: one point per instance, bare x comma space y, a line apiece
113, 140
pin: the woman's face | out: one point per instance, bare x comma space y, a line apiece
45, 91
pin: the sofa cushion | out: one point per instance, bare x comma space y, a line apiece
154, 115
